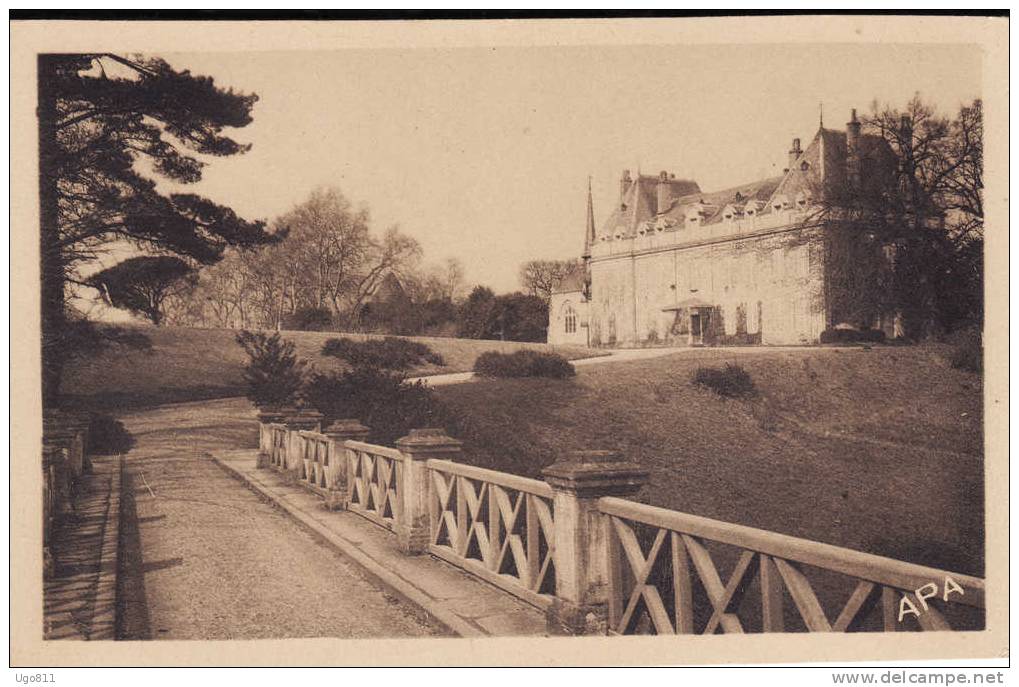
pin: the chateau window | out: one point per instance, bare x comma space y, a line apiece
804, 165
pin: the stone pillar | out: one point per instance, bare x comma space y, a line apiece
338, 490
413, 527
581, 546
303, 419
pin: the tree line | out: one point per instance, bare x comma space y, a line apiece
329, 271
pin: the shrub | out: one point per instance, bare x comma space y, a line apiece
852, 336
732, 381
309, 320
274, 374
383, 400
523, 364
967, 350
389, 353
107, 436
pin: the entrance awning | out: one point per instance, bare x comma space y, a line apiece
689, 303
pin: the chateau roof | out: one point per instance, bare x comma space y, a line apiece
824, 159
717, 201
640, 200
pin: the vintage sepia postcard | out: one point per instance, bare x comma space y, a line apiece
509, 342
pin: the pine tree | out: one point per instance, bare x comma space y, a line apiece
109, 126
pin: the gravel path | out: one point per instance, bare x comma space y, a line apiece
205, 558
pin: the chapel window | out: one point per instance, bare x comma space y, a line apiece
570, 319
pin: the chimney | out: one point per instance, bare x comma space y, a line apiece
624, 184
794, 153
664, 192
853, 147
906, 131
906, 144
853, 133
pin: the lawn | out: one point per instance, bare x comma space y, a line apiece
878, 449
195, 364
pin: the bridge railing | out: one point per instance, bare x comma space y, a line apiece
495, 525
374, 482
578, 546
317, 465
278, 442
657, 558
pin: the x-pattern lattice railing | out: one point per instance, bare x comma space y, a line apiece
278, 446
495, 525
657, 556
315, 449
375, 475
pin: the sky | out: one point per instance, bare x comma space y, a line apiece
484, 154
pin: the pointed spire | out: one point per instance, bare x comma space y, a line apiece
589, 235
820, 114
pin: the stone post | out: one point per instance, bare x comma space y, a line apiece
297, 420
338, 490
413, 527
581, 546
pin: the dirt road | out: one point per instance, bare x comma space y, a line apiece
205, 558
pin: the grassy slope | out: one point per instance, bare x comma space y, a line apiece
878, 450
193, 364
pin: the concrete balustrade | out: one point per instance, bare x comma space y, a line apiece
267, 415
582, 527
297, 420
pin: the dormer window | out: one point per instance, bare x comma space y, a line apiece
732, 212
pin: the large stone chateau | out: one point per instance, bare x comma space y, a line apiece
673, 264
